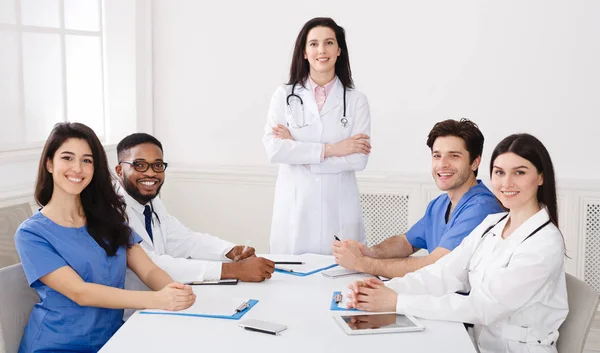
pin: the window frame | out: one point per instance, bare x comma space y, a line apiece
20, 29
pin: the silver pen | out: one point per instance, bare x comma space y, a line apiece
242, 307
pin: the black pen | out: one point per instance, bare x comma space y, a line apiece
336, 238
288, 262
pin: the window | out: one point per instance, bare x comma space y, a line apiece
51, 68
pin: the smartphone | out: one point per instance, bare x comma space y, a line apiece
262, 326
219, 281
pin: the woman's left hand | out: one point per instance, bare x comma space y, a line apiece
282, 132
373, 295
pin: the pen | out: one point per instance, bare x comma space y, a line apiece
238, 257
288, 262
336, 237
284, 269
242, 307
246, 246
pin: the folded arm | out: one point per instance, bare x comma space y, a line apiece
286, 151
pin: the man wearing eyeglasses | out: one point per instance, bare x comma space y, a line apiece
178, 250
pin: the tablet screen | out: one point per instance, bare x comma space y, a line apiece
373, 322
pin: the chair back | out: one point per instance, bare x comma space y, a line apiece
10, 219
16, 301
583, 303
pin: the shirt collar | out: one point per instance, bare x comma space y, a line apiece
328, 86
130, 201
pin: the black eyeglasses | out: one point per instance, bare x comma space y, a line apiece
142, 166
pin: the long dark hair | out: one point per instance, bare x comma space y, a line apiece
300, 68
528, 147
104, 209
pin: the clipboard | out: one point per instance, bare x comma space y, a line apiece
291, 271
334, 303
236, 316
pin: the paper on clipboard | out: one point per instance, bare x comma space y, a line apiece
340, 301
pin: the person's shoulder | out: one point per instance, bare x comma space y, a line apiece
32, 226
481, 196
493, 218
438, 200
356, 94
159, 206
286, 89
548, 243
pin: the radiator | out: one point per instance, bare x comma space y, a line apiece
591, 273
385, 215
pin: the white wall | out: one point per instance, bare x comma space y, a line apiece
511, 66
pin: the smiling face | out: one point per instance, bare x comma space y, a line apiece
450, 163
515, 181
142, 186
321, 50
72, 167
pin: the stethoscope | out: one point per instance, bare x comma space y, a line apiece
155, 214
490, 228
343, 120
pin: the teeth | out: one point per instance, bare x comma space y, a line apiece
148, 183
510, 193
76, 180
445, 174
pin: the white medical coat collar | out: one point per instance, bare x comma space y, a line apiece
308, 97
132, 203
529, 226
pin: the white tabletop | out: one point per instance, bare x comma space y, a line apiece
301, 303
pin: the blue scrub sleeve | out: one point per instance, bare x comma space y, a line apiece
416, 234
38, 256
469, 218
135, 237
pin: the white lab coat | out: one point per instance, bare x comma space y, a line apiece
518, 294
175, 248
315, 199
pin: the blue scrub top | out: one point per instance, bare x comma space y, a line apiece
57, 323
432, 231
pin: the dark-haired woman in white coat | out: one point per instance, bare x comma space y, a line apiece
318, 132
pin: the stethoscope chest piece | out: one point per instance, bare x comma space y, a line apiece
344, 122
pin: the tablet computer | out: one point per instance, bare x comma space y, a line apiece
358, 324
338, 272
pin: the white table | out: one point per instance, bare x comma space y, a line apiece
301, 303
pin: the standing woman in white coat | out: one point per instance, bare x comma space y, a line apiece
318, 132
512, 264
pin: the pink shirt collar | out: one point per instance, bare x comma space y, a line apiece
328, 86
321, 93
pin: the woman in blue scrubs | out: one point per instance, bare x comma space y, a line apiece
75, 251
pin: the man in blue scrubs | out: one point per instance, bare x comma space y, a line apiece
456, 148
